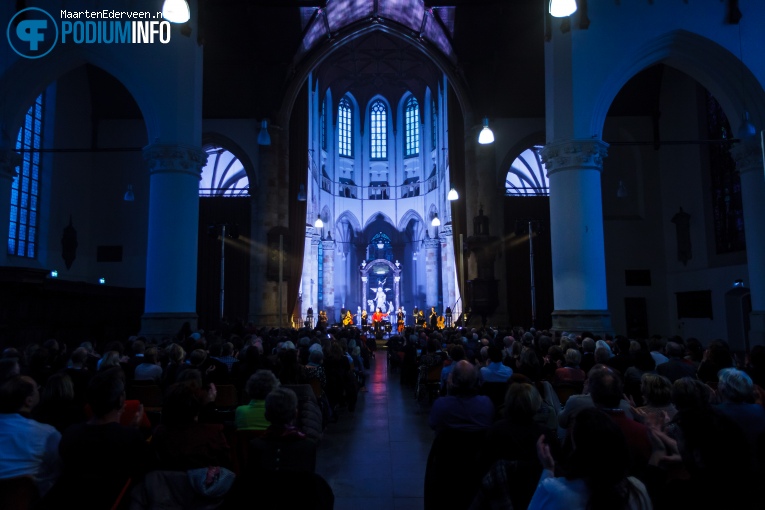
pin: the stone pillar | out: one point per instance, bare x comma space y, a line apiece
305, 281
448, 274
431, 272
364, 291
396, 289
171, 258
329, 279
576, 232
9, 160
748, 156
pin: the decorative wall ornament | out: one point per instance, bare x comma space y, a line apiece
574, 154
174, 158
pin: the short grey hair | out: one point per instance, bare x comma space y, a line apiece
261, 383
735, 385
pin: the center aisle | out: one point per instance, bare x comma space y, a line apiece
374, 458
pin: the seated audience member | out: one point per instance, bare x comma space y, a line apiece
99, 456
180, 442
79, 373
657, 409
175, 359
495, 371
227, 355
253, 415
736, 392
462, 408
676, 366
576, 403
595, 470
716, 357
644, 363
456, 353
9, 368
529, 364
570, 372
715, 455
282, 447
510, 451
623, 359
29, 448
588, 354
58, 406
148, 369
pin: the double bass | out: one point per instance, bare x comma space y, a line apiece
400, 317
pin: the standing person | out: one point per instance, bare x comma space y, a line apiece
364, 319
400, 319
433, 318
377, 318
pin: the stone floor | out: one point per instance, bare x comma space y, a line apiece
374, 458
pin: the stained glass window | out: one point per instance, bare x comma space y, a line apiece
344, 128
412, 128
378, 140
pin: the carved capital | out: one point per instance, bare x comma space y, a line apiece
748, 155
364, 279
574, 155
396, 279
166, 158
430, 243
329, 244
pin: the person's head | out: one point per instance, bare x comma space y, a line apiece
463, 378
656, 389
190, 376
674, 350
573, 357
106, 392
227, 349
111, 359
19, 394
605, 387
602, 354
588, 345
689, 393
529, 357
495, 354
316, 356
600, 456
522, 401
150, 355
138, 347
58, 388
9, 367
78, 357
456, 353
175, 353
281, 407
735, 386
182, 404
261, 383
197, 357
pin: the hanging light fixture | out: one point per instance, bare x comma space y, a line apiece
318, 223
301, 194
380, 245
176, 11
264, 138
129, 195
562, 8
486, 135
435, 222
452, 195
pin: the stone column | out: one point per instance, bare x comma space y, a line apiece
748, 156
171, 259
364, 292
576, 232
305, 281
431, 272
329, 279
9, 160
396, 288
447, 266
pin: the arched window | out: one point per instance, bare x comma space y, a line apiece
412, 128
323, 124
378, 123
25, 190
223, 175
434, 126
344, 128
527, 175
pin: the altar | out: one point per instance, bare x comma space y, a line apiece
380, 286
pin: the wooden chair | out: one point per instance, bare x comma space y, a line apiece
239, 441
150, 395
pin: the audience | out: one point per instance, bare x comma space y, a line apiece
463, 408
253, 415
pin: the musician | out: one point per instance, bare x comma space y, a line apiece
323, 320
400, 317
348, 318
433, 317
420, 318
364, 319
377, 318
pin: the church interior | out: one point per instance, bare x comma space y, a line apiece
182, 182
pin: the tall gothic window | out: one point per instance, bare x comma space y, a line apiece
344, 128
378, 139
412, 128
25, 190
434, 126
323, 124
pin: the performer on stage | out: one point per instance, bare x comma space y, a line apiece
377, 318
400, 316
348, 318
364, 319
420, 321
323, 320
433, 317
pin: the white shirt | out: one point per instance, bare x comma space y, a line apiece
29, 448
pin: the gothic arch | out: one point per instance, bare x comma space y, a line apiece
213, 138
717, 69
410, 215
350, 218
